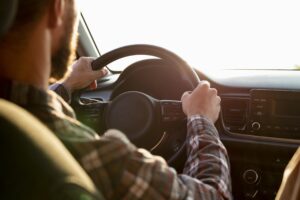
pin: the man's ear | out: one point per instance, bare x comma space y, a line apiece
56, 13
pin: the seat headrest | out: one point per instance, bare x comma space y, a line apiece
8, 9
34, 162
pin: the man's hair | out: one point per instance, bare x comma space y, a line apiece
28, 12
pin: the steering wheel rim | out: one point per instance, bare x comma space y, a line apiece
180, 65
149, 50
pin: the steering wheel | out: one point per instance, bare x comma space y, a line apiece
144, 119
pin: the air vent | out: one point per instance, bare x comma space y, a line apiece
235, 111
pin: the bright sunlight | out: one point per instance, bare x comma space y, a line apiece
206, 33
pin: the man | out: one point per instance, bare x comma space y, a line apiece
38, 47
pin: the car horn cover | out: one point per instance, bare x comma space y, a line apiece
134, 114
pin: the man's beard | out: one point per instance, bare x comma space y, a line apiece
66, 52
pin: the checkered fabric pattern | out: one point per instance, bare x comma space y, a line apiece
122, 171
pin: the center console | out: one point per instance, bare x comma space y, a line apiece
258, 167
275, 113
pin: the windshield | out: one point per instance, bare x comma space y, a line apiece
215, 34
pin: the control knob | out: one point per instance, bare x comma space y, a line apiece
256, 126
250, 176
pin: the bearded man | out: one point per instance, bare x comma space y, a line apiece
40, 46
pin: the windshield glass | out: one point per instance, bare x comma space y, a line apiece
255, 34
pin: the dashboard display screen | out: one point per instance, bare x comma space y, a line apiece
287, 108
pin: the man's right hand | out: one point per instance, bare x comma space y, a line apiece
202, 101
82, 75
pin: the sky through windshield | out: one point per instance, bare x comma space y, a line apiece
206, 33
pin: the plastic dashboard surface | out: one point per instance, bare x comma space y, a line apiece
258, 156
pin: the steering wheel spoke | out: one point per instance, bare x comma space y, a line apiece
171, 111
91, 112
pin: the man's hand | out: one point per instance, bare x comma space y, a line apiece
82, 74
202, 101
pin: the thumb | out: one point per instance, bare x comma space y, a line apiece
202, 86
185, 95
100, 73
93, 85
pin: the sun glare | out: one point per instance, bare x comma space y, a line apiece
211, 34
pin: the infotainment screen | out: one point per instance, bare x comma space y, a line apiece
286, 108
275, 113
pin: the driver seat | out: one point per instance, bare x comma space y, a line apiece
35, 164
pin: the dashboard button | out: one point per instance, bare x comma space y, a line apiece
259, 106
268, 127
277, 128
259, 113
256, 126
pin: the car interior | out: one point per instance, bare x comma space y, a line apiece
258, 123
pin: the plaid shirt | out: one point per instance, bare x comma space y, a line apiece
122, 171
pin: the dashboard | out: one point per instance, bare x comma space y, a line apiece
259, 126
259, 122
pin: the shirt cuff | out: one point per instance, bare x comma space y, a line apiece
201, 117
60, 89
199, 124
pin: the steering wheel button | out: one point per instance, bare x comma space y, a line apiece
167, 118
